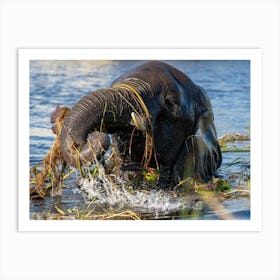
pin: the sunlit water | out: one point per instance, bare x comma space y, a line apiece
55, 83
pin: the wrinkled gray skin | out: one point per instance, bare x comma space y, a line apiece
179, 110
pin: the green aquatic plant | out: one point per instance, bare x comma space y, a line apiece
221, 186
151, 175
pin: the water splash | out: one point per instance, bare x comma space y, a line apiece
113, 191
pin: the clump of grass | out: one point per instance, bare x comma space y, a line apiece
216, 185
52, 168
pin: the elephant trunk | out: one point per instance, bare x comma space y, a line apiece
102, 110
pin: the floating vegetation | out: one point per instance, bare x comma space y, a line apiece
233, 137
235, 142
86, 214
237, 193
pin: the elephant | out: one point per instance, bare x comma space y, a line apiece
158, 118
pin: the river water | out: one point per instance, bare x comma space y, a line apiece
227, 83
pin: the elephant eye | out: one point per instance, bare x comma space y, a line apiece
170, 99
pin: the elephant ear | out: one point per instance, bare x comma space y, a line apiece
172, 104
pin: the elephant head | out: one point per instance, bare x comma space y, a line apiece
161, 101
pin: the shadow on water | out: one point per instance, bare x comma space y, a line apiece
65, 82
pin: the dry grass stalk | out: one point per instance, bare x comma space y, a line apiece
53, 166
145, 118
76, 214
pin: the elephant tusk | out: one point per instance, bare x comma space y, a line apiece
138, 122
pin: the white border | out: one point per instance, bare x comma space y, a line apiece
254, 55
